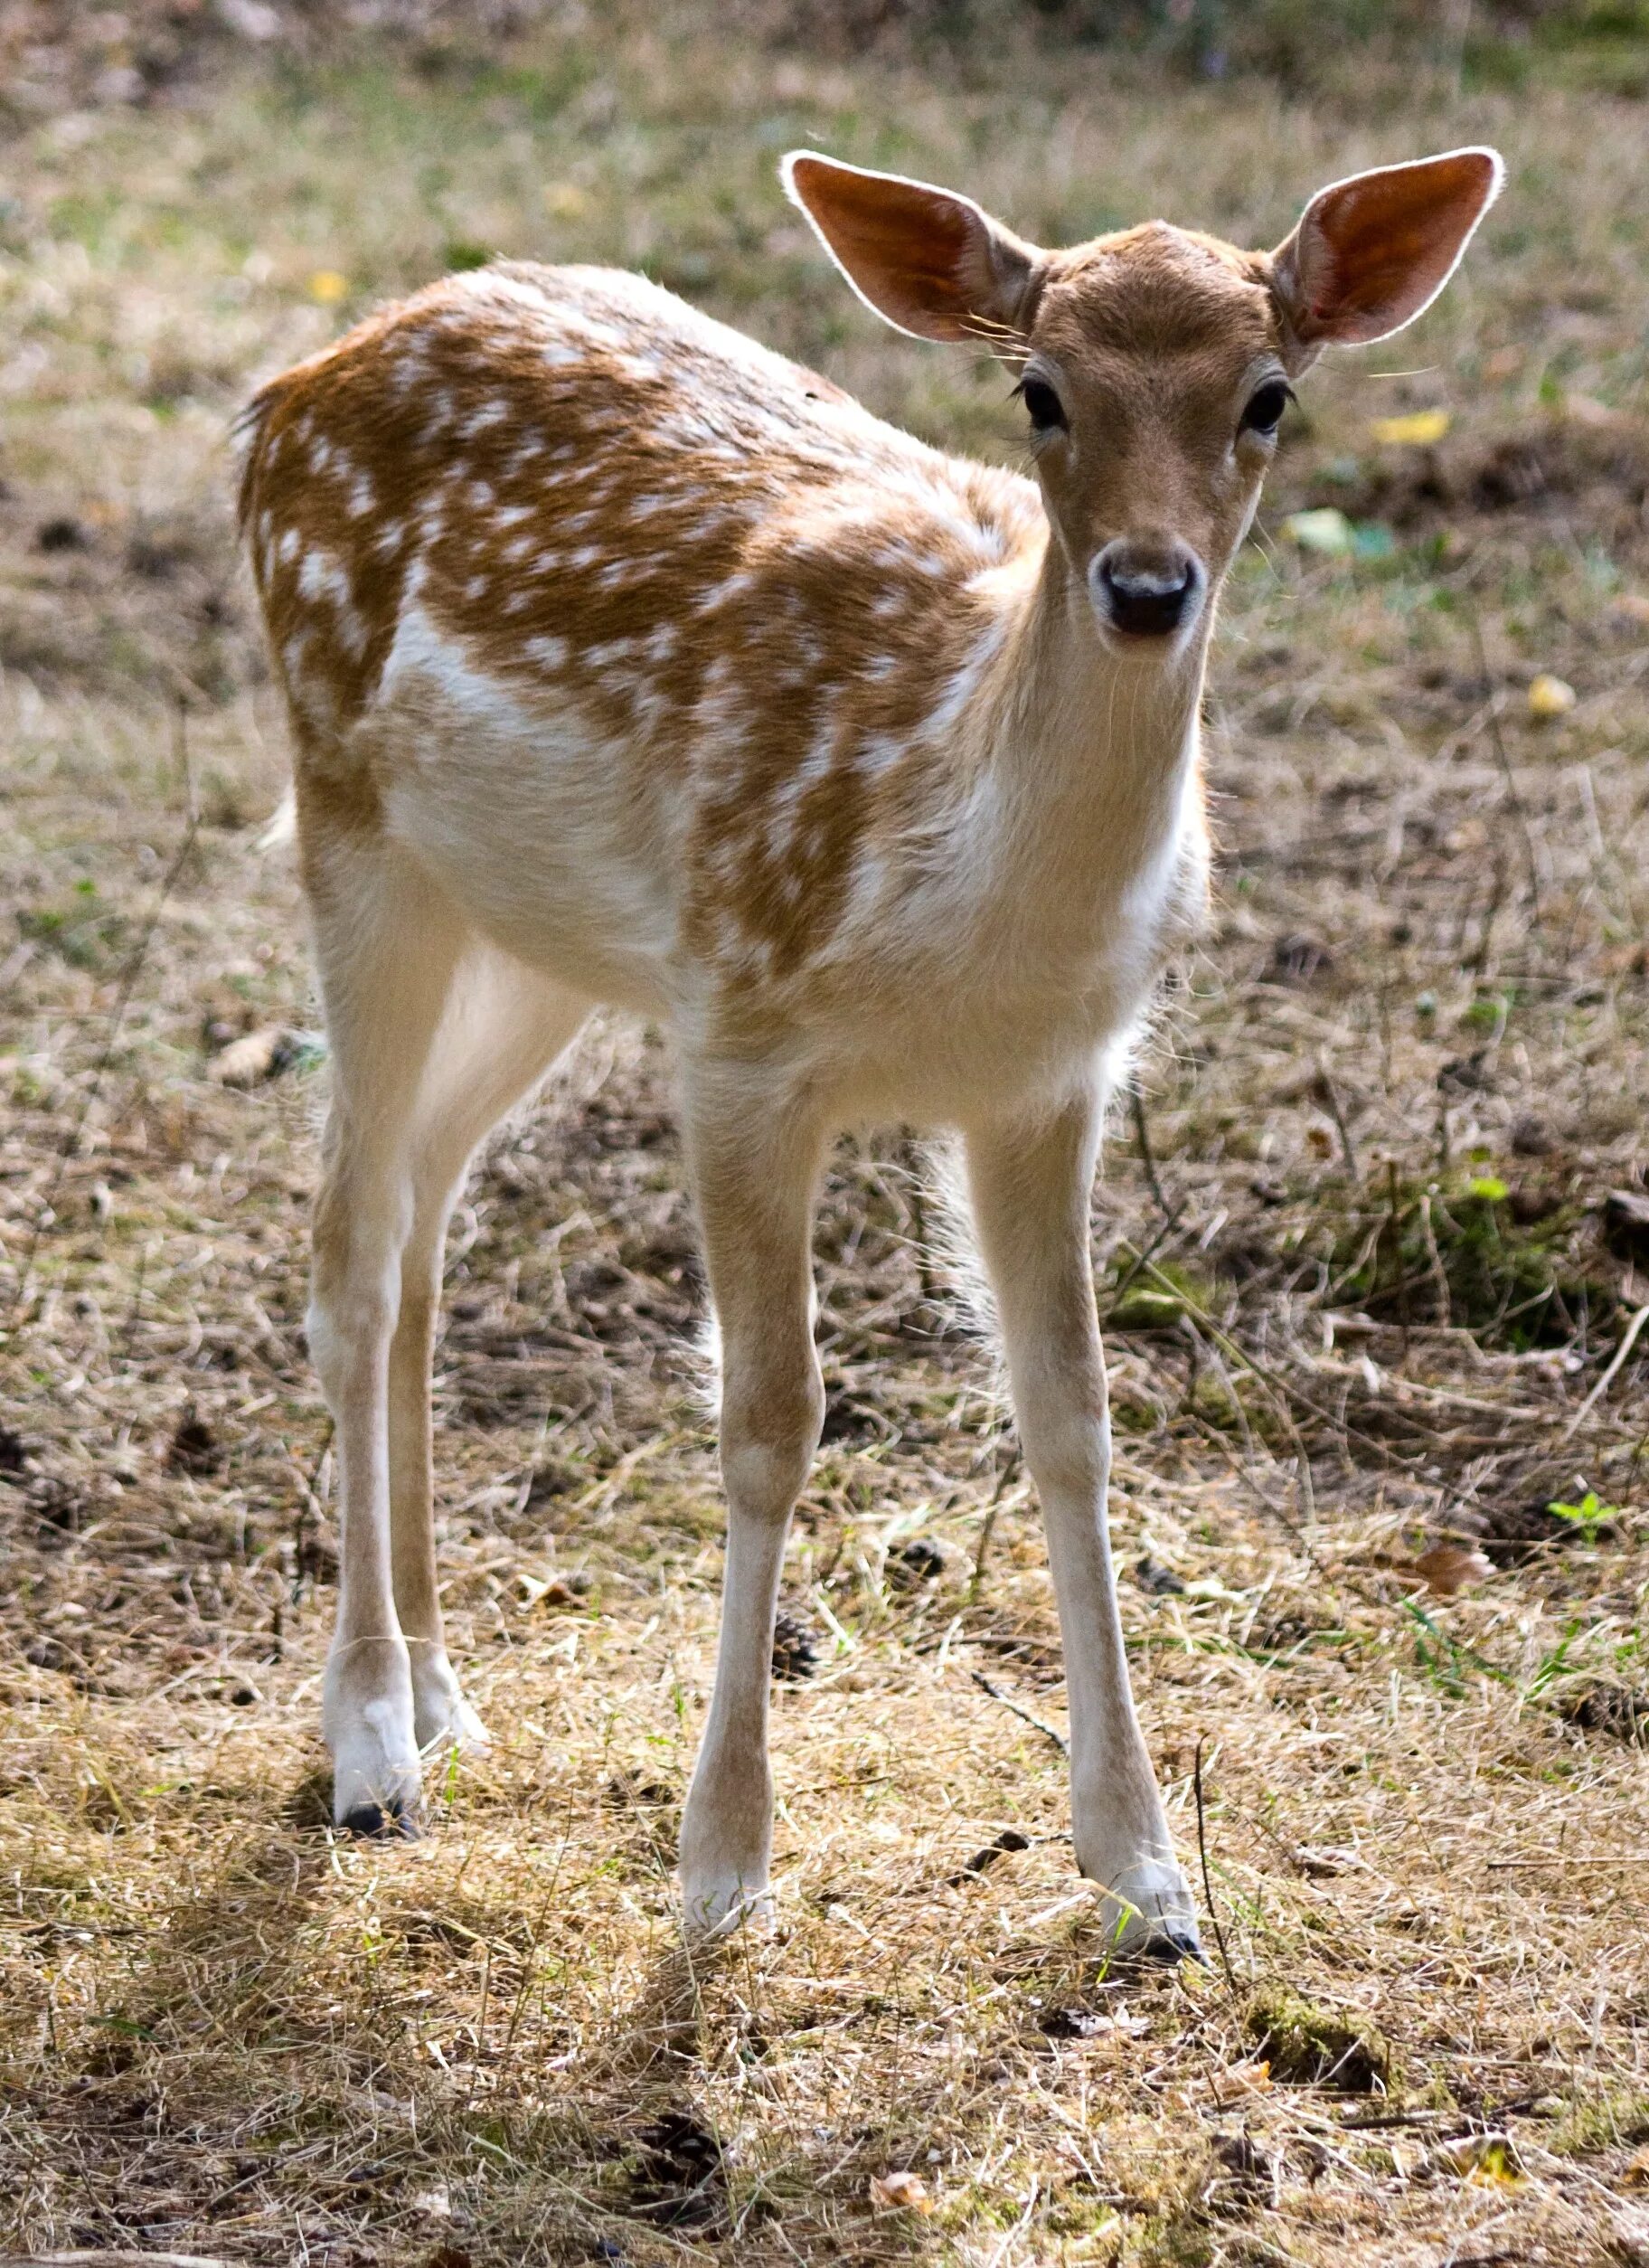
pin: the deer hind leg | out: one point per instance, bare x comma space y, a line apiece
1029, 1185
754, 1159
502, 1029
397, 968
387, 946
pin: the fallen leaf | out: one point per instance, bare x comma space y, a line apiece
899, 2192
1446, 1568
1321, 1865
1636, 2174
1489, 2160
1631, 606
328, 287
1549, 696
250, 1061
1083, 2024
1419, 426
1327, 530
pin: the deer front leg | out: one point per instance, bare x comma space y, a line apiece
1030, 1183
754, 1158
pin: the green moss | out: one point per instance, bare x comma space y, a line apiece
1616, 2120
1461, 1256
82, 930
1309, 2045
1154, 1298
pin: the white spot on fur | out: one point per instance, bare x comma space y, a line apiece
953, 703
322, 577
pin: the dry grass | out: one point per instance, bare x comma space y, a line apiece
228, 2035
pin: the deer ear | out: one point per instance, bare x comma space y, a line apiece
1371, 253
928, 262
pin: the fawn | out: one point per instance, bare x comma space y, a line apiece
628, 662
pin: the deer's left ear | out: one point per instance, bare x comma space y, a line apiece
1373, 252
928, 261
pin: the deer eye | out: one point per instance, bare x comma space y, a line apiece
1265, 407
1045, 409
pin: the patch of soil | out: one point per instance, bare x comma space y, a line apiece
680, 2182
1598, 474
1514, 1535
195, 1449
796, 1653
1616, 1710
914, 1563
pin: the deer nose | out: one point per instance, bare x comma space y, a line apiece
1146, 590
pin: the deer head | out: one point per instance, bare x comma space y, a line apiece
1154, 365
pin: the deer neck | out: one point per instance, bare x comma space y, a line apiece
1092, 751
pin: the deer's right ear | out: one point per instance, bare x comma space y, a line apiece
927, 260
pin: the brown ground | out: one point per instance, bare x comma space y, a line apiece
1365, 1297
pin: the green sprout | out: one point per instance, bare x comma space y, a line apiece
1588, 1516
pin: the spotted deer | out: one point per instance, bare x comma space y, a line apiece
629, 663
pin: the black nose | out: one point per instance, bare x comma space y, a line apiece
1147, 590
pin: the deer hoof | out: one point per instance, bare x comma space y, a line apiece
381, 1823
1172, 1946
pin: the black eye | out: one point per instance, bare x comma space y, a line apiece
1265, 408
1046, 411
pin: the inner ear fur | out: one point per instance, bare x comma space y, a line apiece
1373, 251
928, 261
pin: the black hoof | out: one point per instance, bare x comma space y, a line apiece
1174, 1945
381, 1823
